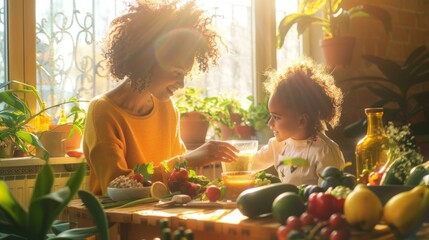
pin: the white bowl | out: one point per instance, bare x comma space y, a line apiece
121, 194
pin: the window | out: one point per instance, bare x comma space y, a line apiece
68, 48
3, 43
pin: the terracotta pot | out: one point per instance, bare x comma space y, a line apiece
245, 132
226, 132
72, 143
338, 51
53, 143
193, 127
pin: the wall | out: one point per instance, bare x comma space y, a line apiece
410, 20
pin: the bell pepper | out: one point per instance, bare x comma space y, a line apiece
323, 205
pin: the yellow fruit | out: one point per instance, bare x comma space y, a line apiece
404, 212
158, 190
362, 208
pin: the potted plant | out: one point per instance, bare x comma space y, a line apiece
397, 92
229, 118
334, 22
16, 116
194, 122
46, 206
258, 116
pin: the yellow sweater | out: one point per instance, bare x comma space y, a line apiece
116, 141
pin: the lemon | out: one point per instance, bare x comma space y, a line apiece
158, 190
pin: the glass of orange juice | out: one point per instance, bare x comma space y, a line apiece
244, 162
236, 182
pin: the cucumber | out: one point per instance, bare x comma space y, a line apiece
259, 200
389, 177
416, 176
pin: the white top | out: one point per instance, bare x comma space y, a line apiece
319, 151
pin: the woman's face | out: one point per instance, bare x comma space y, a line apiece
284, 122
166, 79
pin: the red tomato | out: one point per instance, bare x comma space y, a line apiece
282, 232
294, 223
337, 221
138, 177
340, 234
74, 153
306, 219
213, 193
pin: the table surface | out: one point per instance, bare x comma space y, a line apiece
206, 223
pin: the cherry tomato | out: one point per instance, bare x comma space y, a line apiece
337, 221
325, 232
340, 234
306, 219
74, 153
138, 177
282, 232
212, 193
293, 222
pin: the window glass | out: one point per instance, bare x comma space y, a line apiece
3, 43
69, 48
292, 48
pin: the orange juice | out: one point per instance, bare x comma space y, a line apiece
236, 182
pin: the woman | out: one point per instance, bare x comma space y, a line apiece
151, 48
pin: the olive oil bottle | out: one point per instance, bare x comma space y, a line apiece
371, 150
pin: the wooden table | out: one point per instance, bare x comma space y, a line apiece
142, 222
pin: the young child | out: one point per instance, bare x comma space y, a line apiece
303, 101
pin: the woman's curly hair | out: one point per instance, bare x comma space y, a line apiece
135, 36
307, 87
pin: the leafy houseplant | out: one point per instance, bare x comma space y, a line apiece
397, 93
193, 110
45, 207
335, 22
16, 116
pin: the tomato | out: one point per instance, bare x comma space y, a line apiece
293, 222
282, 232
325, 232
306, 219
213, 193
74, 153
138, 177
340, 234
337, 221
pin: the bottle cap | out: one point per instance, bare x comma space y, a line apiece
373, 110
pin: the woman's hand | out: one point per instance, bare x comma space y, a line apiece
212, 151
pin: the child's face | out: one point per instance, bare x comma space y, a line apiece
285, 122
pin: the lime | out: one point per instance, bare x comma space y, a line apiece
287, 204
158, 190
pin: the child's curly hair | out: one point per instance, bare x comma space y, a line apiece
135, 36
308, 88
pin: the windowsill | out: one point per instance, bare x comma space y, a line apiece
30, 161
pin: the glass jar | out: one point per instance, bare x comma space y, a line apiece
371, 150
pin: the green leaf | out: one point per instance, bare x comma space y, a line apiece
97, 213
44, 182
300, 162
14, 101
13, 213
146, 170
33, 140
77, 233
45, 210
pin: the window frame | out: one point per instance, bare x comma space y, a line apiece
22, 43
